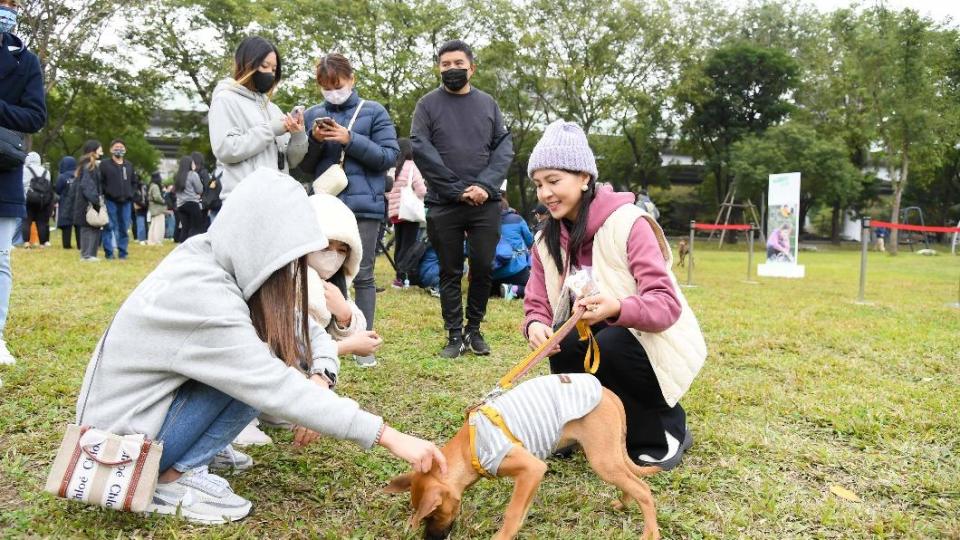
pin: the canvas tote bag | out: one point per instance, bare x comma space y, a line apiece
96, 467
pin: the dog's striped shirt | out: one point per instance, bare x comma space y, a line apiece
535, 413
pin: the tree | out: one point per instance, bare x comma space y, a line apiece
827, 176
898, 60
740, 89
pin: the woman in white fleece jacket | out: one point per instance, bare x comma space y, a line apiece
329, 286
247, 130
218, 332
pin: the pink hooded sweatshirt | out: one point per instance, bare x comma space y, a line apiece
653, 308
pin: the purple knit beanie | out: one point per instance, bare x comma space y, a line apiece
563, 146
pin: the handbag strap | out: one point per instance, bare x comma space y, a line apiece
103, 343
343, 153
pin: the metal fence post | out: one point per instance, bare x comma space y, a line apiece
693, 227
864, 242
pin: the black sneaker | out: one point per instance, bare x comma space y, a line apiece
475, 342
673, 457
455, 346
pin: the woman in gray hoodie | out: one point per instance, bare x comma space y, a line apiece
219, 332
247, 130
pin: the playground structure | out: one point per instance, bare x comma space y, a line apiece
728, 205
694, 226
867, 224
911, 239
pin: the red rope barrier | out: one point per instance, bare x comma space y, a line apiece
706, 227
916, 228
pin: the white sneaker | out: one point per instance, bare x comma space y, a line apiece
252, 435
200, 497
230, 459
6, 359
365, 361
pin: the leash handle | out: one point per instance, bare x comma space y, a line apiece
541, 352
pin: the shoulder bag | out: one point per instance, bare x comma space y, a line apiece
334, 179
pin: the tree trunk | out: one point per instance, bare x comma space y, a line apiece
835, 225
897, 196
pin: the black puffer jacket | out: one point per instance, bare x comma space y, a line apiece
64, 188
87, 191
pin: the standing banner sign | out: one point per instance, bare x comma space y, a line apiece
783, 227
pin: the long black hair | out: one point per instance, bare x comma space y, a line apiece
183, 171
406, 152
248, 57
88, 157
578, 229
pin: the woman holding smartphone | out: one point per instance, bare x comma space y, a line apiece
361, 134
247, 130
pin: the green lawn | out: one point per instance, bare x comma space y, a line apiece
803, 390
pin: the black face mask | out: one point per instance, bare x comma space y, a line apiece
262, 81
454, 79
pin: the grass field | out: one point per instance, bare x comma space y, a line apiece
803, 391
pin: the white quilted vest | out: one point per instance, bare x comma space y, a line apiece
677, 353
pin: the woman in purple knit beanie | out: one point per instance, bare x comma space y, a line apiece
597, 232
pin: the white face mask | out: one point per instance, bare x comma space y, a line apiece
339, 96
326, 262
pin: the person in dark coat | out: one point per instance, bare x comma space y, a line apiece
88, 191
369, 148
65, 190
23, 109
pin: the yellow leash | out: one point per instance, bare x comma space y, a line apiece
591, 361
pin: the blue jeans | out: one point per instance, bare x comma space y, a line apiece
8, 226
201, 422
141, 227
17, 235
170, 222
117, 232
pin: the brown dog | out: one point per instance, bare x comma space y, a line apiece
601, 433
684, 251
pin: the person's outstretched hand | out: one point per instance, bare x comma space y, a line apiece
420, 454
362, 343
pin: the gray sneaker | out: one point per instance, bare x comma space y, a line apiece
200, 497
365, 361
231, 459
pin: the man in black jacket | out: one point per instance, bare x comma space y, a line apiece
118, 182
463, 151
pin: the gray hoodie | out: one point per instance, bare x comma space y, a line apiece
189, 320
32, 166
246, 132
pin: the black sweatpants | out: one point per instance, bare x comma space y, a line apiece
40, 216
404, 237
626, 371
447, 227
65, 234
191, 220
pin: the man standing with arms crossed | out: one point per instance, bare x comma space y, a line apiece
463, 152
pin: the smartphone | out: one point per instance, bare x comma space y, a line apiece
297, 110
323, 121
